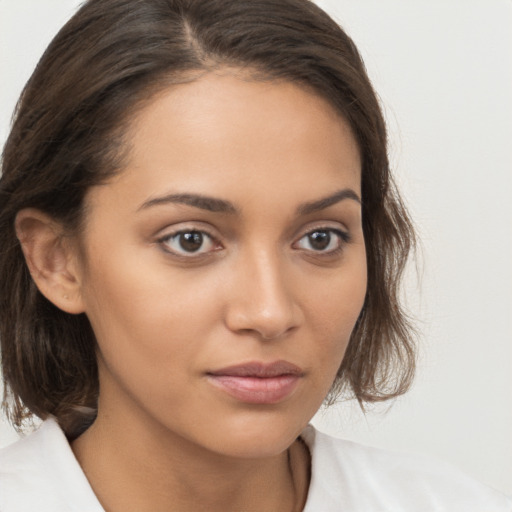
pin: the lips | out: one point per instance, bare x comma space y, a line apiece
258, 383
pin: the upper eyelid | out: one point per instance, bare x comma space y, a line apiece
169, 236
322, 226
326, 227
182, 231
170, 231
344, 234
185, 227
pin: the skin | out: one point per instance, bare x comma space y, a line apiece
257, 290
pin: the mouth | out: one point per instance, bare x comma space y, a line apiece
258, 383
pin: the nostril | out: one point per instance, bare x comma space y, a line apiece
276, 335
247, 318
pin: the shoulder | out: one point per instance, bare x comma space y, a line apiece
39, 472
363, 478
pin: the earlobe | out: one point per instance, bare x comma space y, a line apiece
51, 259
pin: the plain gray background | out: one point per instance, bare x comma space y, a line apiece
443, 70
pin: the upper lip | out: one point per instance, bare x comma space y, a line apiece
259, 369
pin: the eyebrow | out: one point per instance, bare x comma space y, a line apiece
210, 204
213, 204
325, 202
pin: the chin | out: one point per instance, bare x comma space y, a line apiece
256, 434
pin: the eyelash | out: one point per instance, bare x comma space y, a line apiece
342, 236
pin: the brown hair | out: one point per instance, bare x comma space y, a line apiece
67, 136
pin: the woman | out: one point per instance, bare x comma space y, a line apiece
201, 242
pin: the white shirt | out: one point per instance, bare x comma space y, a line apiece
40, 474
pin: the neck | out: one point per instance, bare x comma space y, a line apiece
147, 468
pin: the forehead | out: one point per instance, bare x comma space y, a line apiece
227, 135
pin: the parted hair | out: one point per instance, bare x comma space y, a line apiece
68, 135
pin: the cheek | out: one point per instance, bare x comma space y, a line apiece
333, 307
336, 301
148, 340
146, 316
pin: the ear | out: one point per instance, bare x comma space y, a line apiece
52, 259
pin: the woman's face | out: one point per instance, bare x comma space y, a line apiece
225, 267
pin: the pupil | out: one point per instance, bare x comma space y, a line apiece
191, 241
320, 239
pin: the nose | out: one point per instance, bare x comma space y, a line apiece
262, 301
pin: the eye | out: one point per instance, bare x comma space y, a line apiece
189, 242
325, 241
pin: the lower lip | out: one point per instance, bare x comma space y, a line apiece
254, 390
